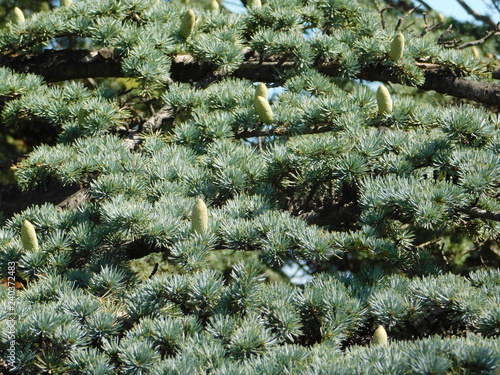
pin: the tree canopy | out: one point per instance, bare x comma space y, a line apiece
170, 164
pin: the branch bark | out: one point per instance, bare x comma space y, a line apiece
67, 64
480, 213
74, 64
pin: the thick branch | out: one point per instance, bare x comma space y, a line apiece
337, 217
75, 200
67, 64
436, 79
480, 213
445, 83
482, 92
72, 64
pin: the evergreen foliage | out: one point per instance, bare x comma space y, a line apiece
186, 156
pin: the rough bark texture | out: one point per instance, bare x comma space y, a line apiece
76, 199
482, 92
73, 64
14, 200
155, 122
481, 213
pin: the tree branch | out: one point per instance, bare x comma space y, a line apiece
443, 82
476, 15
155, 122
73, 64
280, 131
151, 125
482, 40
67, 64
404, 16
332, 217
75, 200
482, 92
480, 213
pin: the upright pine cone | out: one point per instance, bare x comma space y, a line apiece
380, 337
28, 236
384, 100
397, 47
213, 6
254, 3
261, 90
18, 16
199, 217
264, 110
187, 24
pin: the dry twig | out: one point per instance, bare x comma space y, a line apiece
429, 26
404, 16
490, 34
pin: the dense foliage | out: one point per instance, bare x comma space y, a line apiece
186, 157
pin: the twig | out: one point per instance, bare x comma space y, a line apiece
426, 6
443, 255
408, 27
278, 131
151, 108
448, 43
92, 82
424, 244
308, 199
404, 16
382, 16
155, 269
488, 35
429, 26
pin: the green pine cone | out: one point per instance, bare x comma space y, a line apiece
213, 6
254, 3
380, 337
66, 3
264, 110
187, 24
28, 236
199, 217
18, 16
384, 100
397, 47
475, 52
261, 90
